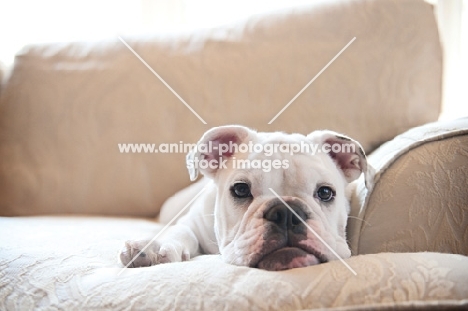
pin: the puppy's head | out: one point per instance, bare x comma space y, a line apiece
281, 198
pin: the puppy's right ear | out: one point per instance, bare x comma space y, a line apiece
213, 147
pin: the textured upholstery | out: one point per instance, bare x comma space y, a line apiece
77, 269
67, 106
420, 199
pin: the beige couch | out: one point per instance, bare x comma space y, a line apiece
69, 199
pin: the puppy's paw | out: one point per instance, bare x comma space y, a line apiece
132, 255
154, 254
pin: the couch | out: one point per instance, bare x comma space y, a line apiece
69, 199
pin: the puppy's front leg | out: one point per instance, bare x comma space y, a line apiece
177, 243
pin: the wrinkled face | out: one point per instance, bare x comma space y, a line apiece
255, 228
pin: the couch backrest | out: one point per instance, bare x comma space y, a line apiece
67, 106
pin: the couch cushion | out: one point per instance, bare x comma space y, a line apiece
70, 263
67, 106
420, 198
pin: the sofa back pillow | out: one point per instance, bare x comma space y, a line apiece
67, 106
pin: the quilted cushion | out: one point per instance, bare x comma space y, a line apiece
70, 263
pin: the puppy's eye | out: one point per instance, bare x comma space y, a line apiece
325, 194
241, 190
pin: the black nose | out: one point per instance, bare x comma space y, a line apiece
282, 216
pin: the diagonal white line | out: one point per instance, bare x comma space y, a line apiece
313, 79
313, 231
162, 80
162, 230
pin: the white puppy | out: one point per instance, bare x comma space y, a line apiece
267, 208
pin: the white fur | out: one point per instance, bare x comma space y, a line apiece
216, 223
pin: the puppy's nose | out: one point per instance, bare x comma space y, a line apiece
282, 216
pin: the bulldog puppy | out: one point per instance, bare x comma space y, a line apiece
266, 208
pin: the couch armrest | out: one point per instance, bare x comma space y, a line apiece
419, 201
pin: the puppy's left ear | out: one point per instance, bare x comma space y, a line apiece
347, 153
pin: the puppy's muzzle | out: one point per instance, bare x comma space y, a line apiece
283, 217
285, 243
